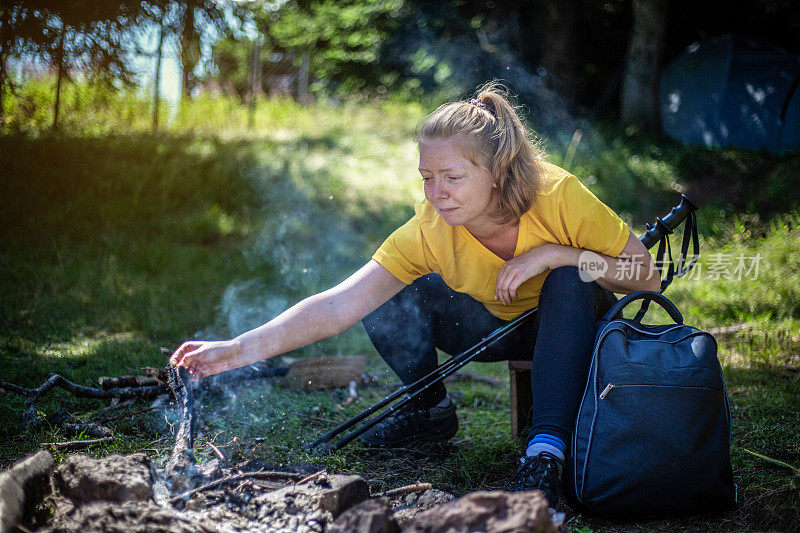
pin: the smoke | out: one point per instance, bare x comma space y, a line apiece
305, 244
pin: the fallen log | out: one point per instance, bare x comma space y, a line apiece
33, 421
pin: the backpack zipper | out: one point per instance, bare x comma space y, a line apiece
606, 390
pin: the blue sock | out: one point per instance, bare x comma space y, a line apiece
544, 442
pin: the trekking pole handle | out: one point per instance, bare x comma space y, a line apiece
664, 225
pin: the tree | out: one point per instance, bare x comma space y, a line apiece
69, 35
196, 19
343, 38
638, 99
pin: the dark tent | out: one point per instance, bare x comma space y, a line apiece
733, 91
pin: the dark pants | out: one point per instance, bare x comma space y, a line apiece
428, 314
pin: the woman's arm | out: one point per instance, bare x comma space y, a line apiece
633, 270
317, 317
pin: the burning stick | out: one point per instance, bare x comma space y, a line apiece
32, 419
182, 458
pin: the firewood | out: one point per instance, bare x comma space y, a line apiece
31, 417
325, 372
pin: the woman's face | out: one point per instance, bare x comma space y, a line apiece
460, 191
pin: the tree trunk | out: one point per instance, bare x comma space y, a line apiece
254, 80
59, 77
560, 48
638, 99
190, 50
5, 42
156, 96
302, 80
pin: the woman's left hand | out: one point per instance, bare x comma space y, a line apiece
520, 269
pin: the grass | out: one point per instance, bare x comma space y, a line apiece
115, 242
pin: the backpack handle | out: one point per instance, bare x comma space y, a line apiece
647, 296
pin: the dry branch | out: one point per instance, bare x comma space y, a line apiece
76, 444
32, 419
408, 489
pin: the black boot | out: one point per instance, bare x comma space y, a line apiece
540, 472
414, 423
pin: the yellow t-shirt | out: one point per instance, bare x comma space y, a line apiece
564, 212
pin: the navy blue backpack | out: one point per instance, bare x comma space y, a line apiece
652, 434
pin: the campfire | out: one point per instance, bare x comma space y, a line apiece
124, 493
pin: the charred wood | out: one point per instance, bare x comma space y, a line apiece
181, 462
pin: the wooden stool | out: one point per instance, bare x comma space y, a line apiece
519, 373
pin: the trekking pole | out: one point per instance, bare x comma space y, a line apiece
441, 372
660, 229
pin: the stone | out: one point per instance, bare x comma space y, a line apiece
21, 487
408, 506
369, 516
344, 492
487, 512
108, 517
115, 478
330, 492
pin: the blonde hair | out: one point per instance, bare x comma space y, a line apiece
490, 133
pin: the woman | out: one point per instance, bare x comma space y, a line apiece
499, 232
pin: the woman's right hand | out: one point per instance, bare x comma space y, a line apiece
206, 358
